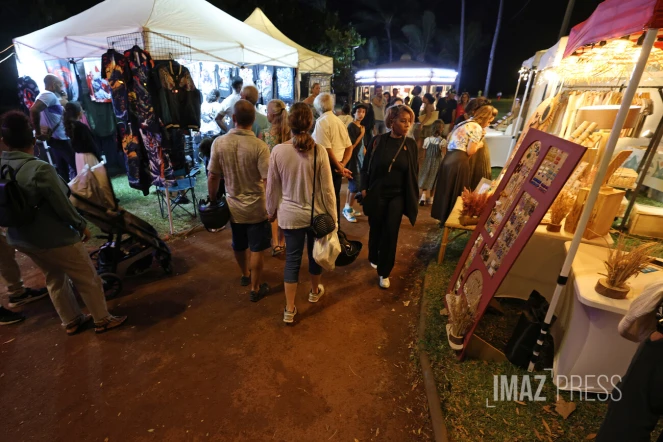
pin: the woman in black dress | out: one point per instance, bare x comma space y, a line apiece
81, 137
455, 173
389, 188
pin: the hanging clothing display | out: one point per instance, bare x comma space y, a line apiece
178, 101
63, 70
27, 92
140, 99
115, 68
100, 115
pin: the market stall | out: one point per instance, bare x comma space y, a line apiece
133, 58
599, 90
403, 75
313, 67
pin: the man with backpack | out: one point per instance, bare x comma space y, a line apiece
44, 225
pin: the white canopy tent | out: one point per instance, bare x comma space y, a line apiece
309, 61
213, 34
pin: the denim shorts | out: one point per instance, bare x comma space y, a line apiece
353, 185
257, 237
294, 250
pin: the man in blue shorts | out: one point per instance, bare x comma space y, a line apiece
241, 160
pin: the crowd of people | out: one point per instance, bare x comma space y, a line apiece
277, 172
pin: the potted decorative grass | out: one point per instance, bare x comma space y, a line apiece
461, 319
473, 204
621, 265
559, 209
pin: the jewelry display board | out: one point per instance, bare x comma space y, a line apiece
539, 170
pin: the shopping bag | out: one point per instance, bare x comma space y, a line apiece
326, 250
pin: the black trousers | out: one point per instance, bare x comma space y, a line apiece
383, 233
634, 416
337, 179
64, 158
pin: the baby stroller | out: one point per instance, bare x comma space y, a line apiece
131, 243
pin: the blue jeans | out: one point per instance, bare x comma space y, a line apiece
294, 250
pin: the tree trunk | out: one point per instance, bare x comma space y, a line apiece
391, 50
461, 48
491, 59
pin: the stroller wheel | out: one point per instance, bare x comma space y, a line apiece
112, 285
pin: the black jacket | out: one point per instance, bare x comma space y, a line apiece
178, 101
411, 192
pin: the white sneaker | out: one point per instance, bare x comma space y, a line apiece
355, 213
315, 297
384, 283
347, 213
375, 266
289, 317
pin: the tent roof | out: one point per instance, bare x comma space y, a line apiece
309, 61
214, 35
615, 19
553, 56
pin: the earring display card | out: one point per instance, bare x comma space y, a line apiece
539, 170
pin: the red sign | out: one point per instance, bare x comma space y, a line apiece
535, 176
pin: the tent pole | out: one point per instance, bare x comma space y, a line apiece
650, 38
646, 162
516, 127
170, 210
515, 97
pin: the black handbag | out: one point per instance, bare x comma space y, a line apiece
371, 200
323, 224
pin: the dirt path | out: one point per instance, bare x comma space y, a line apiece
198, 361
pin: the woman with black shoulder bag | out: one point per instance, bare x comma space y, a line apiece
389, 182
301, 196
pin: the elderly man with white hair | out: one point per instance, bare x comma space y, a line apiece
332, 134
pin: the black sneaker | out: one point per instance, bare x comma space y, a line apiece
262, 291
245, 280
181, 199
29, 295
9, 317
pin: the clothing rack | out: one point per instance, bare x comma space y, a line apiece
160, 46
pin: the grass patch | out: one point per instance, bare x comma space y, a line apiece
465, 386
147, 208
503, 106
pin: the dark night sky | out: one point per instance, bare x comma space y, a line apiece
536, 27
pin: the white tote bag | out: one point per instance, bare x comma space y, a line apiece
326, 250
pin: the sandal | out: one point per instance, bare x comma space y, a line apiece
109, 323
277, 250
77, 324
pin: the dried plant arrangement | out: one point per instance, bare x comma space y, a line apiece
473, 205
559, 209
622, 264
461, 318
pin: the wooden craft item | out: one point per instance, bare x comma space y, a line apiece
615, 164
576, 133
646, 221
541, 120
603, 214
624, 178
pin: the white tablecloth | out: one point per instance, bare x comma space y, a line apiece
498, 145
591, 345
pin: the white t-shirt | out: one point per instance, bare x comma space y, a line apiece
227, 104
331, 133
52, 116
208, 112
